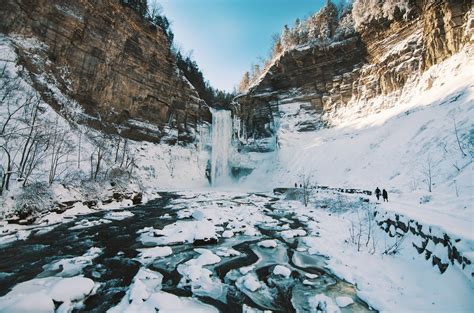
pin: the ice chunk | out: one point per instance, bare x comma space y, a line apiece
72, 266
227, 252
37, 302
244, 270
148, 255
324, 304
282, 270
251, 283
72, 289
288, 234
118, 215
311, 276
228, 234
268, 244
168, 303
342, 302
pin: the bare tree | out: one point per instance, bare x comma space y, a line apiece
457, 138
307, 181
7, 171
60, 148
30, 141
427, 171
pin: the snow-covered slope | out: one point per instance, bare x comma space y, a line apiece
392, 148
63, 155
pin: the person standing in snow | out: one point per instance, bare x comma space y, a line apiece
377, 193
385, 195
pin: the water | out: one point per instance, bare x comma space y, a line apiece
221, 147
116, 266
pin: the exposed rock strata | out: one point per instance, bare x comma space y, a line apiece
379, 60
117, 66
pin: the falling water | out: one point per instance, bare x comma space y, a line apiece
221, 146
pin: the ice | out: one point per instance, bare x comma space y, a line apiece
145, 295
169, 303
323, 304
288, 234
200, 279
121, 215
342, 302
311, 276
72, 266
282, 270
268, 243
82, 224
37, 295
227, 252
150, 254
251, 283
182, 231
37, 302
72, 289
227, 234
246, 269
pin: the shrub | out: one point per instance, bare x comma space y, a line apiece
33, 199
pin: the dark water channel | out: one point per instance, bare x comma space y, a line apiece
115, 267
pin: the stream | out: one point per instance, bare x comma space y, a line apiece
115, 267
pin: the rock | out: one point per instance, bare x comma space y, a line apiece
378, 60
119, 67
137, 198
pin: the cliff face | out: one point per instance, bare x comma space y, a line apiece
376, 61
115, 65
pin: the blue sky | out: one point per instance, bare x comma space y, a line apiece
226, 36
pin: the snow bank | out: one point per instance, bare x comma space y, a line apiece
37, 295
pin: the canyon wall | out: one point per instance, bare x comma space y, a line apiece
113, 63
375, 62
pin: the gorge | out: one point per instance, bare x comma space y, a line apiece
130, 184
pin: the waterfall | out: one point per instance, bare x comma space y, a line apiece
221, 147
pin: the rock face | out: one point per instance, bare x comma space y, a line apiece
115, 65
375, 61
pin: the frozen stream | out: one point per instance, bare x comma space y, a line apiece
262, 268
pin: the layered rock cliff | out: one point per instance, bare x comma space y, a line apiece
118, 67
366, 71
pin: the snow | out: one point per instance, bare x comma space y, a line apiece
387, 282
251, 283
288, 234
268, 243
342, 302
73, 266
201, 279
37, 302
324, 304
150, 254
227, 252
387, 142
118, 216
37, 295
227, 234
282, 270
72, 289
145, 295
182, 231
